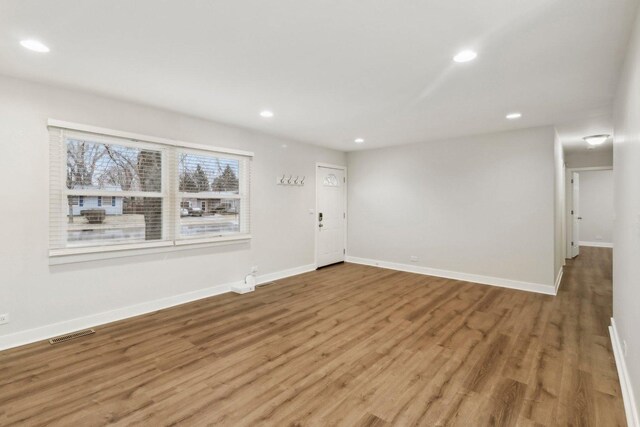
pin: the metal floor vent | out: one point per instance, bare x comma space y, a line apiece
71, 336
265, 284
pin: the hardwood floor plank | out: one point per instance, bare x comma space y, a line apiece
344, 345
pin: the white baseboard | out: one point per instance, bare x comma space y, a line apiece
559, 279
630, 408
45, 332
476, 278
597, 244
270, 277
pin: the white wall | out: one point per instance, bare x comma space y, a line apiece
626, 235
482, 205
596, 207
36, 294
559, 208
589, 158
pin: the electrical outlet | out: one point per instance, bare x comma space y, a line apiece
4, 318
254, 269
413, 258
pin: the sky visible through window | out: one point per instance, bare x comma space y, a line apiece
207, 174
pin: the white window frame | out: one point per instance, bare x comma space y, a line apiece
243, 195
61, 253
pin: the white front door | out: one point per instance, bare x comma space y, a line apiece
575, 214
331, 215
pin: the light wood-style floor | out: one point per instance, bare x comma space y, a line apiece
346, 345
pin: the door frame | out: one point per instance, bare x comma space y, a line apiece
569, 203
315, 211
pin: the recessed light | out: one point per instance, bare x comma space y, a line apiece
35, 46
465, 56
266, 114
358, 140
594, 140
513, 116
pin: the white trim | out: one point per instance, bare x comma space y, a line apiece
475, 278
597, 244
559, 279
107, 248
592, 168
139, 137
212, 239
270, 277
48, 331
331, 166
45, 332
630, 408
129, 252
346, 209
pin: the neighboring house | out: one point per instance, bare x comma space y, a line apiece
194, 203
209, 205
111, 205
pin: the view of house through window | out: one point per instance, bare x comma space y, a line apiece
113, 191
96, 168
209, 195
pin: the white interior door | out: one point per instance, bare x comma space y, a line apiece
331, 215
575, 212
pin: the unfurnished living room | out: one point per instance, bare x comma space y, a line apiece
320, 213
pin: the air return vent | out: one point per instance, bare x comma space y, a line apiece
71, 336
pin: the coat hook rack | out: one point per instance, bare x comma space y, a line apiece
291, 181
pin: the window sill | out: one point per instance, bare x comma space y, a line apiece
75, 255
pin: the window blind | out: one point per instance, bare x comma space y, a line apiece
212, 195
112, 192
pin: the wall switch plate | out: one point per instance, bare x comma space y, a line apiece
413, 258
4, 318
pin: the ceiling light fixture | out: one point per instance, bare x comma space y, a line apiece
35, 46
266, 114
465, 56
594, 140
358, 140
513, 116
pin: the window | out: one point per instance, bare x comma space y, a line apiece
213, 183
163, 193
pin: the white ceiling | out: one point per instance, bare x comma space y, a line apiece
333, 70
571, 133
